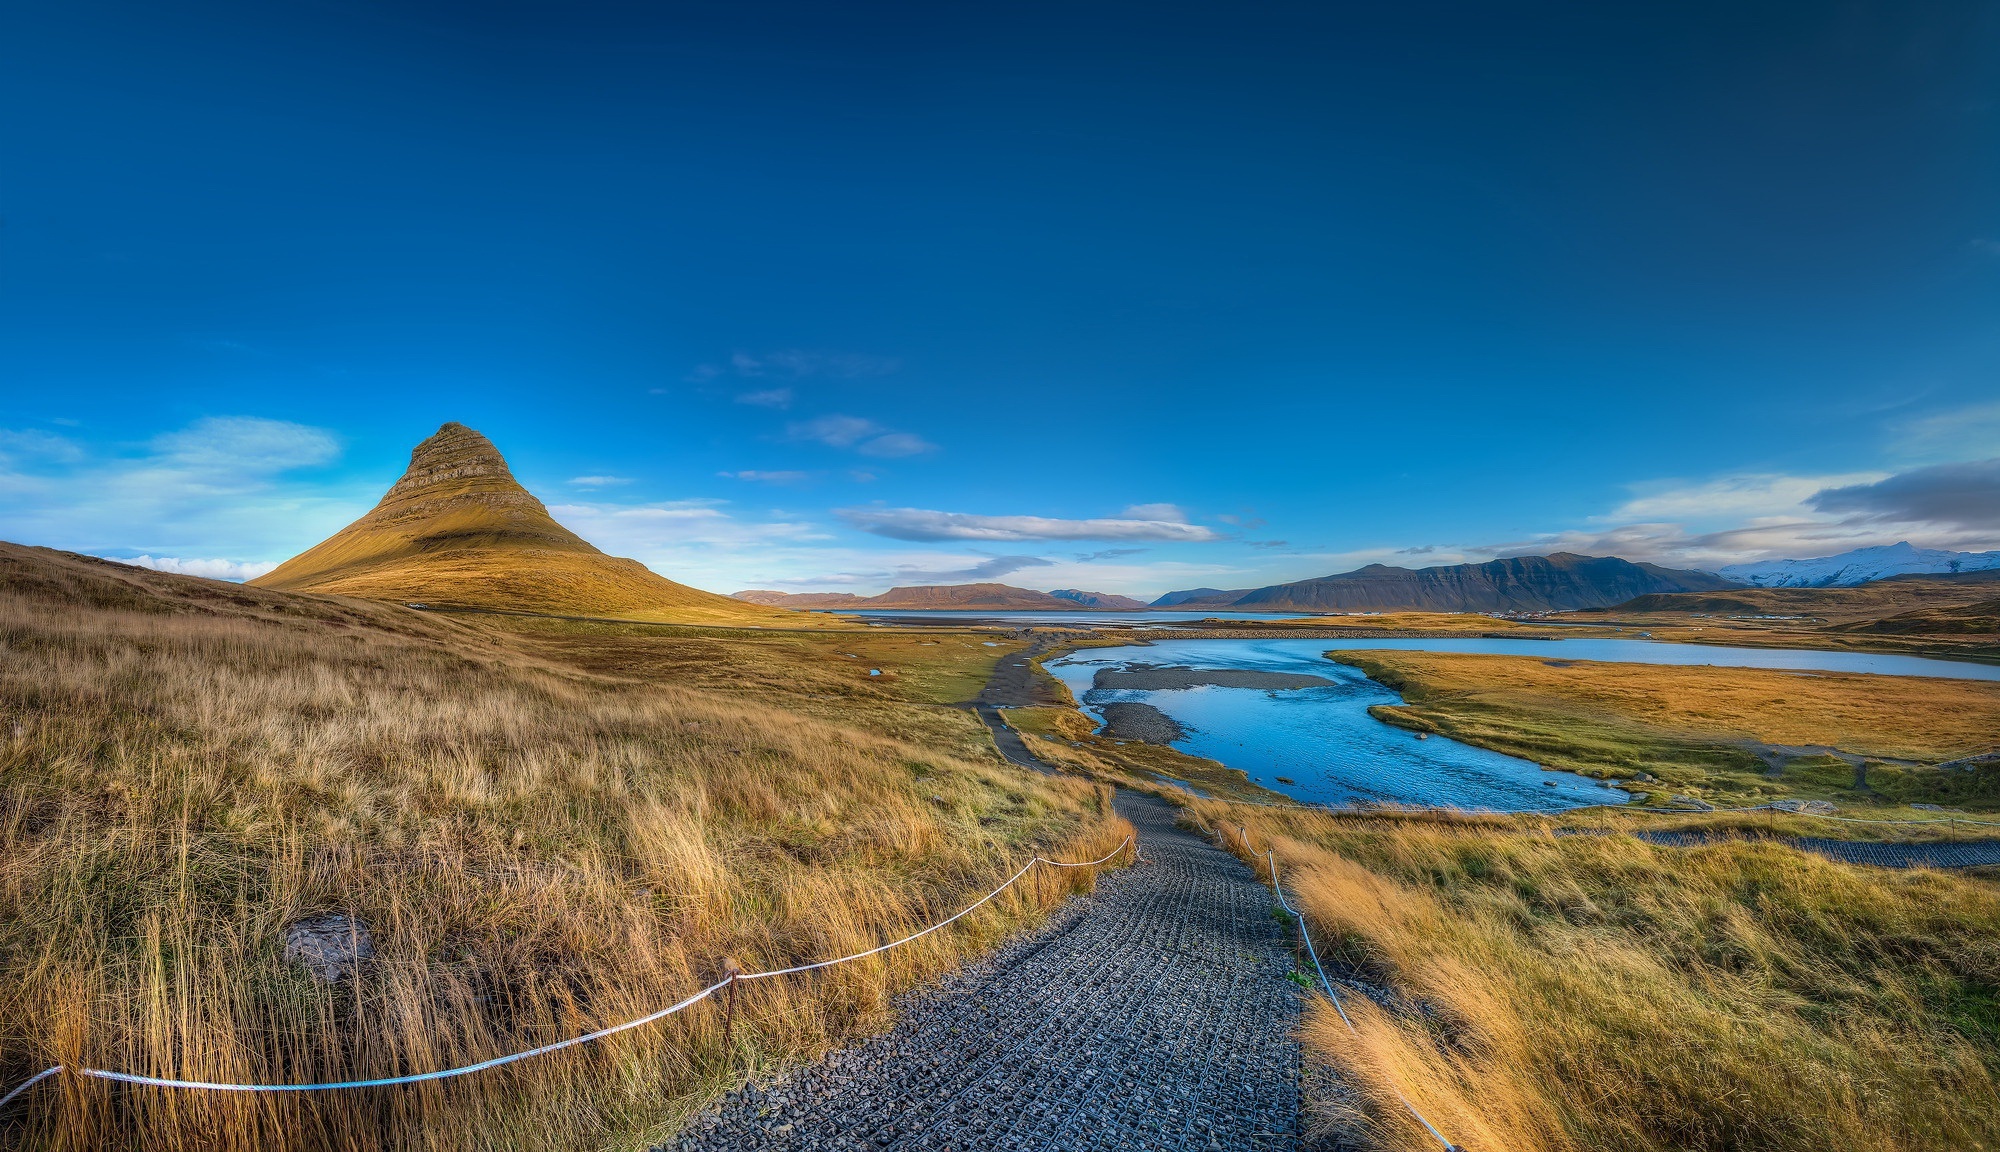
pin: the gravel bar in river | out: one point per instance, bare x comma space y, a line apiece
1149, 678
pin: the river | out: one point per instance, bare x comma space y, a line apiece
1323, 739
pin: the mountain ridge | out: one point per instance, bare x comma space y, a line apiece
1859, 566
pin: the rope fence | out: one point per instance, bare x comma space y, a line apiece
1311, 950
726, 983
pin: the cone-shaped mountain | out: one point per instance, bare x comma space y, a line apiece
458, 529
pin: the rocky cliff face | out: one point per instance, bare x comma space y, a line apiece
1549, 583
458, 529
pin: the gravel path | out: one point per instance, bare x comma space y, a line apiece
1953, 854
1154, 1013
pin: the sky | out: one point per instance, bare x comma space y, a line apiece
1117, 296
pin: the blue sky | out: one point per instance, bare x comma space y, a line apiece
1127, 297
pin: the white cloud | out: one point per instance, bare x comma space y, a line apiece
895, 444
1737, 519
869, 572
1956, 434
1167, 512
798, 364
1731, 497
235, 570
858, 434
220, 486
779, 477
246, 444
599, 481
767, 398
924, 524
834, 431
31, 444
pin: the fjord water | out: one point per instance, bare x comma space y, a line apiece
1324, 739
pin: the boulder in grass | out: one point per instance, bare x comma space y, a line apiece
1691, 804
330, 946
1812, 807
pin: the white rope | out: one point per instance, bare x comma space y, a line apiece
1312, 951
698, 997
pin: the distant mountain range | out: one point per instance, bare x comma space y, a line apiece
1201, 598
1552, 583
1859, 567
1101, 601
963, 597
1556, 582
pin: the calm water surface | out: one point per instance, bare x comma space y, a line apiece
1324, 739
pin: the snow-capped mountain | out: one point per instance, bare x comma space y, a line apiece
1857, 567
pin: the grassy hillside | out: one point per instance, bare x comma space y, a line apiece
1567, 994
1952, 616
540, 845
1978, 619
1706, 731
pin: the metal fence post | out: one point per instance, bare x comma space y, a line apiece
730, 970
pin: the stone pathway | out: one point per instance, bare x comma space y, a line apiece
1154, 1013
1942, 854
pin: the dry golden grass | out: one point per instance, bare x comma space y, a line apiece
1565, 994
511, 576
1693, 727
1907, 717
539, 851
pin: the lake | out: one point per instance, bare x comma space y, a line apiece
1324, 739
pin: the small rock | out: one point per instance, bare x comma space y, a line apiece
1820, 807
330, 946
1691, 804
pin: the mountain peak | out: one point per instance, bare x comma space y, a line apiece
454, 452
458, 529
457, 473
